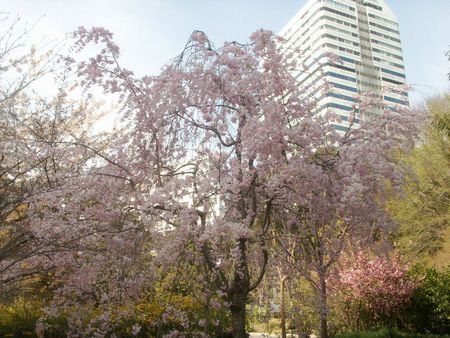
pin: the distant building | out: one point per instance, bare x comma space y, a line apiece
365, 35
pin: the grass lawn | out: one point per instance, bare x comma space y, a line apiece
382, 333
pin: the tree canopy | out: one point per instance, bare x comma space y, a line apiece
423, 209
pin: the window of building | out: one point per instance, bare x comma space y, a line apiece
384, 70
391, 99
344, 87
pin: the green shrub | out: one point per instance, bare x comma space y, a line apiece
429, 311
18, 319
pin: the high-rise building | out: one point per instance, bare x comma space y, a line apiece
364, 34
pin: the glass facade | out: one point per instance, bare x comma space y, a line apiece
364, 34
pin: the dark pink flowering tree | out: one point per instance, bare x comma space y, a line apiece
216, 146
381, 286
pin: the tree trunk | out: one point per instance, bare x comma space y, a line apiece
358, 316
237, 309
238, 293
323, 305
282, 307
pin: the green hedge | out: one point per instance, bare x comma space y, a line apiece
429, 311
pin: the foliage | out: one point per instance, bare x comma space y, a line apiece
19, 318
429, 311
173, 301
303, 312
423, 210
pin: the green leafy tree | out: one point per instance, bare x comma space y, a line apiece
423, 210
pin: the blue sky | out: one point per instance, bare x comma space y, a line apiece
150, 32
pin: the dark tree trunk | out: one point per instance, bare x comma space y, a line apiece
238, 293
237, 309
282, 307
389, 331
323, 305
